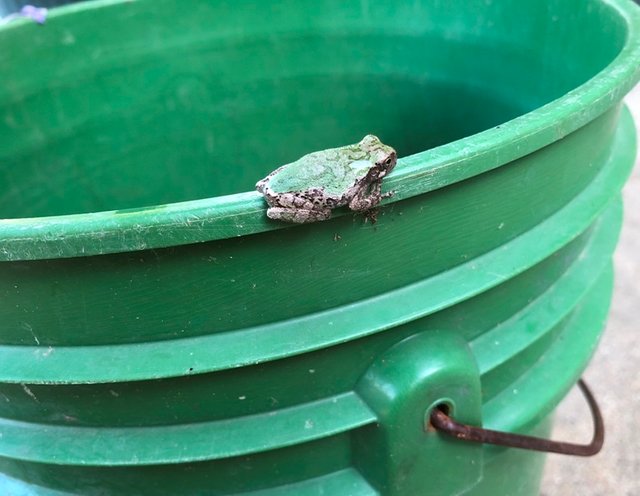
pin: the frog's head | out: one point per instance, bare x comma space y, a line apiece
383, 155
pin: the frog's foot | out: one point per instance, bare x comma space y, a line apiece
298, 215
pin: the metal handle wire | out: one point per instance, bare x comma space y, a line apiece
447, 425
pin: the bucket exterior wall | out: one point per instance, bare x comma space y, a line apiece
155, 343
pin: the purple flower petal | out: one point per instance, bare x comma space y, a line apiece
38, 14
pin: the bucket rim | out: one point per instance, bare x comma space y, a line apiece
220, 351
240, 214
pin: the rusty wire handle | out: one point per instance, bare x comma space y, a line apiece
443, 423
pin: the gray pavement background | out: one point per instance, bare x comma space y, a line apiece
613, 375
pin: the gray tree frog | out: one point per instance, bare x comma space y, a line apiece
308, 189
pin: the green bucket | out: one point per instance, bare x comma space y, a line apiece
159, 335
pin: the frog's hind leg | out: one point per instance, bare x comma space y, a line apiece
292, 207
298, 215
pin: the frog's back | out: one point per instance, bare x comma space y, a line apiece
334, 170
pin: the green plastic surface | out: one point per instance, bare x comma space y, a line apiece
159, 335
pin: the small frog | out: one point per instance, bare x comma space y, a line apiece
308, 189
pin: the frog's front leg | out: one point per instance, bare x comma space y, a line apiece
368, 197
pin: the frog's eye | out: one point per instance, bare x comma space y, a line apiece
388, 161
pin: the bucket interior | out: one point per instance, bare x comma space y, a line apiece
126, 105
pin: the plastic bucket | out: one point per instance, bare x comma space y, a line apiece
159, 335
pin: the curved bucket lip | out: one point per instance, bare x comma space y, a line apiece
62, 364
241, 214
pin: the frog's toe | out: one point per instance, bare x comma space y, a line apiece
388, 194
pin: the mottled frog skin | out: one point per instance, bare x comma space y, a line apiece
308, 189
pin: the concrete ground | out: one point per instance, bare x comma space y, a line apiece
614, 377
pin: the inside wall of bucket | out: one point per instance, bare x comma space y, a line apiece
135, 104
